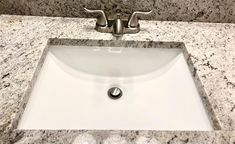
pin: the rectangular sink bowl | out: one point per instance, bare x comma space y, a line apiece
157, 87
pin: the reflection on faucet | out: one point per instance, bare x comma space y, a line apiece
118, 26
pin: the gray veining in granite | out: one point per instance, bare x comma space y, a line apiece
171, 10
126, 137
210, 49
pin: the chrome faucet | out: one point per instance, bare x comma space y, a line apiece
118, 26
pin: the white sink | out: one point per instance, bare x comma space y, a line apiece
158, 91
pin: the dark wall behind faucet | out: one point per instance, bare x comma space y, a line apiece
172, 10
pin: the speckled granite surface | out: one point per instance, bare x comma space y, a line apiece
23, 45
126, 137
173, 10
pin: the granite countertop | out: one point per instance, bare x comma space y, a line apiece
23, 44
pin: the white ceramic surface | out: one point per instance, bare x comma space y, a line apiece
158, 91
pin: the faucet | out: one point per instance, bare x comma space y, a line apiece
118, 26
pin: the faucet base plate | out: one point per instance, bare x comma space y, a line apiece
110, 29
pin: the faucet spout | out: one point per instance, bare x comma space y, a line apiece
118, 26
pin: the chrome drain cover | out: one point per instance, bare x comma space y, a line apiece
115, 93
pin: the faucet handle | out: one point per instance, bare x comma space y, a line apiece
133, 20
101, 19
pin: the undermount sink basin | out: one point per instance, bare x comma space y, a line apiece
158, 91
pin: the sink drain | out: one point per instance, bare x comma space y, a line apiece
115, 93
